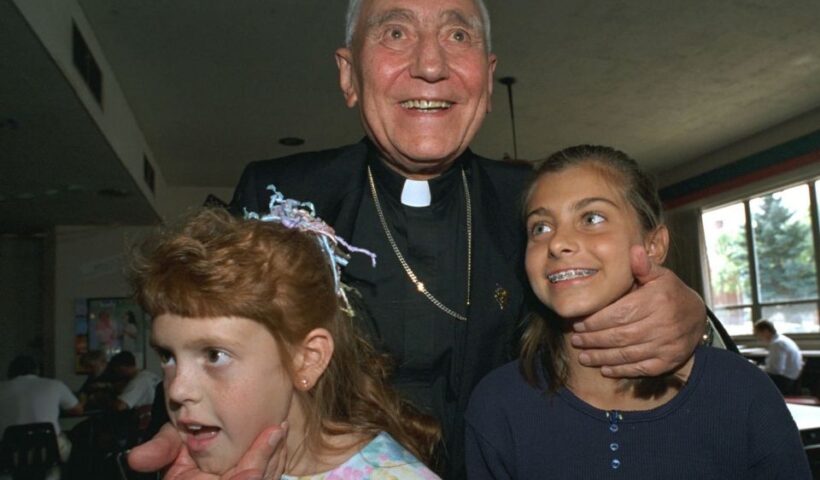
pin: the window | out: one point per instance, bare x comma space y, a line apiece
762, 260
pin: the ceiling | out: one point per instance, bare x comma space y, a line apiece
215, 84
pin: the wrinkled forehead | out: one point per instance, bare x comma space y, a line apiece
366, 14
452, 16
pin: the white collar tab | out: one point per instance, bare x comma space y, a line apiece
415, 193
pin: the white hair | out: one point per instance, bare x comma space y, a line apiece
354, 7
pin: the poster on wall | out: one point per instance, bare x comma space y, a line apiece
110, 325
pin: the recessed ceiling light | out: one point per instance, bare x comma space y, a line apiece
291, 141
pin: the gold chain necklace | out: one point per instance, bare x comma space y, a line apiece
413, 278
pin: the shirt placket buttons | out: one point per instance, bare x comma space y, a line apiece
614, 417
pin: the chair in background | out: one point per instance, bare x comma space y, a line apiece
813, 454
29, 451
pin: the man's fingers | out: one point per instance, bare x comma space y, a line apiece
649, 331
647, 368
263, 453
614, 315
616, 356
620, 336
157, 453
276, 465
185, 468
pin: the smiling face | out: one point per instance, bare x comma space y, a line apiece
421, 75
224, 383
580, 230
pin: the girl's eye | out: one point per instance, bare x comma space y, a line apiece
217, 357
539, 229
593, 218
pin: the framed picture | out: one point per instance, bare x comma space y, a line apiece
110, 325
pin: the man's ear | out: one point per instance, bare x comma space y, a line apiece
347, 80
657, 244
312, 358
492, 61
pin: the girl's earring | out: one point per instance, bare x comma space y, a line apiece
305, 383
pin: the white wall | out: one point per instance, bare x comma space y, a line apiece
89, 263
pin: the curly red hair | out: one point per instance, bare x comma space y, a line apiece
218, 265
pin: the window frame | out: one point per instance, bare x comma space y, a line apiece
756, 305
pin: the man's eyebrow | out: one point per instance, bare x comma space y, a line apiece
397, 14
459, 18
400, 14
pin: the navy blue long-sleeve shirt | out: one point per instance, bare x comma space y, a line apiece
728, 421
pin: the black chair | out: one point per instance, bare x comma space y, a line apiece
813, 454
721, 332
99, 442
29, 451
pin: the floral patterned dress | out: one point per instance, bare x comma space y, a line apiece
381, 459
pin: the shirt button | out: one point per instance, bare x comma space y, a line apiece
613, 428
613, 446
615, 463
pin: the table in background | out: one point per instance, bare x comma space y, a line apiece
809, 378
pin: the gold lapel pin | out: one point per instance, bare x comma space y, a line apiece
502, 296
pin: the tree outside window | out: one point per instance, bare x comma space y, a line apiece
766, 268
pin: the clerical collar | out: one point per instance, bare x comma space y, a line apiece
394, 184
416, 193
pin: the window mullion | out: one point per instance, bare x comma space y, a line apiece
815, 229
750, 252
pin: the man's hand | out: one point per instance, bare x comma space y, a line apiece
264, 460
652, 330
157, 453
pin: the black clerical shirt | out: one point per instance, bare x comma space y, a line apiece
426, 344
439, 358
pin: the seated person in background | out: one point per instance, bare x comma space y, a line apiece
588, 209
785, 362
253, 329
28, 398
139, 389
97, 392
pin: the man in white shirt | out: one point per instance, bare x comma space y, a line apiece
28, 398
784, 362
139, 390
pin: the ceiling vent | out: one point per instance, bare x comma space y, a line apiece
86, 65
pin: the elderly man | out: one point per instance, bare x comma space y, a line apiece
448, 290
